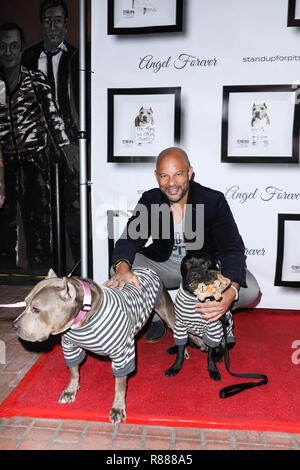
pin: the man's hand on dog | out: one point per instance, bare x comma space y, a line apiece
123, 276
213, 311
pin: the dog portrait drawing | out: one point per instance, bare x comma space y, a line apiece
144, 117
144, 126
259, 122
260, 116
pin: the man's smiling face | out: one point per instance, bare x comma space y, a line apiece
173, 175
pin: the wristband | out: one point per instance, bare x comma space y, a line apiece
236, 292
117, 263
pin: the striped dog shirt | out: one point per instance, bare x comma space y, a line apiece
187, 321
111, 331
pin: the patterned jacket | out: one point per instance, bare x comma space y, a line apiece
30, 116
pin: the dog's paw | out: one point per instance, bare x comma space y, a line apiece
116, 415
67, 397
215, 375
171, 371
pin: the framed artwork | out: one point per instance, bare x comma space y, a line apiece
288, 251
144, 16
294, 13
142, 122
260, 124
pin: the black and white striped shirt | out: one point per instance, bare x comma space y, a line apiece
111, 330
188, 320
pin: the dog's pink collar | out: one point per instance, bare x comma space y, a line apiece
87, 302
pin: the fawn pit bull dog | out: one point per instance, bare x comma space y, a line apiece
100, 319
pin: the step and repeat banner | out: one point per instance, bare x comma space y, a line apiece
220, 80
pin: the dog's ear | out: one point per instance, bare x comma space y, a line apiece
51, 274
68, 291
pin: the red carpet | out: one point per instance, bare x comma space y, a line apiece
191, 399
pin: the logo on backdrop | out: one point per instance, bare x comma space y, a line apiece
182, 61
270, 193
272, 59
255, 251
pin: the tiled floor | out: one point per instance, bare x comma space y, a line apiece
25, 433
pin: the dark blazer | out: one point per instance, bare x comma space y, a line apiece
67, 70
221, 235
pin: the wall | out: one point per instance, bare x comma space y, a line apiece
230, 33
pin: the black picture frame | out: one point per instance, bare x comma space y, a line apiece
258, 154
168, 99
292, 20
281, 261
113, 29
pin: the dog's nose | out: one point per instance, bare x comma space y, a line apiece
15, 325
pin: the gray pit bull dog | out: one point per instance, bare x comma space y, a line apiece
107, 326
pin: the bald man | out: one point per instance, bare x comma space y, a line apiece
178, 202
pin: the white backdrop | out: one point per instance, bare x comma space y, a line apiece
239, 37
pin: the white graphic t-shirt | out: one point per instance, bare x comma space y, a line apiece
179, 249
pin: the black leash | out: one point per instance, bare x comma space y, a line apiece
237, 388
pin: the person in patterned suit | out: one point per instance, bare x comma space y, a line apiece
32, 135
59, 61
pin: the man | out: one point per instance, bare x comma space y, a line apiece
32, 135
220, 235
59, 61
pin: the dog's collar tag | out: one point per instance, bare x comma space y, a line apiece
87, 301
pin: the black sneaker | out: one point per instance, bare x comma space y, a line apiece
156, 331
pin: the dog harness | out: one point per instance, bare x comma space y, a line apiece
111, 331
187, 320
